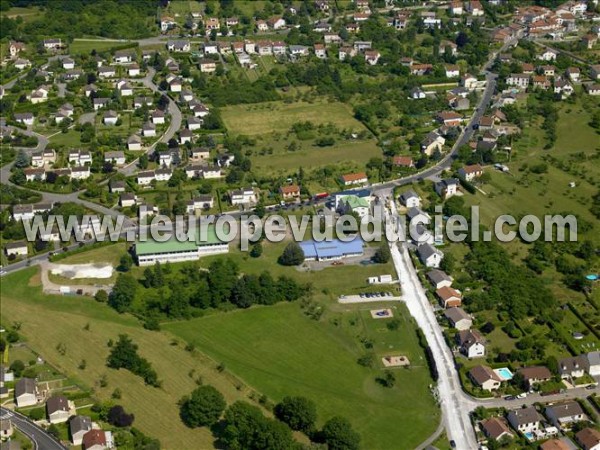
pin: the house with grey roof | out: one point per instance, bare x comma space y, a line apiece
429, 255
26, 392
58, 409
439, 278
563, 415
525, 420
78, 426
458, 318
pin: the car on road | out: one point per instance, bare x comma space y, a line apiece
522, 395
452, 444
510, 397
589, 387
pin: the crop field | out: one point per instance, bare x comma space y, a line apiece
272, 117
294, 355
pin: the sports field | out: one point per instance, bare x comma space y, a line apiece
279, 351
270, 117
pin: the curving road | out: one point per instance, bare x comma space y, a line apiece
40, 439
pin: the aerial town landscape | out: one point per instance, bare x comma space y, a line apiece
481, 113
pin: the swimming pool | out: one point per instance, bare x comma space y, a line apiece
504, 373
529, 436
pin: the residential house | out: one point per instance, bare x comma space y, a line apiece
179, 46
589, 40
592, 88
458, 318
439, 279
94, 440
261, 25
276, 23
175, 85
199, 203
243, 196
534, 375
35, 174
520, 80
430, 20
185, 136
549, 71
372, 57
448, 47
320, 51
346, 52
163, 174
573, 74
158, 117
6, 429
14, 48
39, 95
194, 123
471, 343
432, 142
106, 72
452, 71
525, 420
144, 178
127, 200
354, 204
469, 173
593, 362
199, 154
449, 297
264, 48
563, 415
134, 142
474, 8
332, 38
447, 188
279, 48
573, 366
556, 444
68, 64
123, 56
485, 378
100, 102
52, 44
78, 426
297, 50
212, 23
417, 93
22, 212
468, 81
403, 161
22, 63
541, 82
124, 88
116, 186
110, 118
58, 409
167, 23
116, 157
80, 173
289, 192
548, 55
148, 129
354, 178
26, 392
588, 438
496, 428
16, 248
210, 48
449, 118
410, 199
420, 69
595, 72
207, 65
429, 255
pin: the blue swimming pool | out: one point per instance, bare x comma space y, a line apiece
504, 373
529, 436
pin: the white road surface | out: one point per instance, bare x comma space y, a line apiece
454, 403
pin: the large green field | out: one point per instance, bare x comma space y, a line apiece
85, 46
50, 320
270, 117
281, 352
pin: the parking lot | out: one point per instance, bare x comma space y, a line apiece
367, 297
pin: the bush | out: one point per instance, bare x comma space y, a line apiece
298, 412
292, 255
119, 418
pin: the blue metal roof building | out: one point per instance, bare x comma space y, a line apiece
334, 249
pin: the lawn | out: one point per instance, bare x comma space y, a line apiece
345, 154
69, 139
50, 320
281, 352
272, 117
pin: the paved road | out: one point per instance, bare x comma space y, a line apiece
40, 439
454, 403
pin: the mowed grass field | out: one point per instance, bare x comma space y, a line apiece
83, 46
50, 320
270, 117
346, 154
280, 352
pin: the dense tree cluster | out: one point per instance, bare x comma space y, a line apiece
123, 355
203, 408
